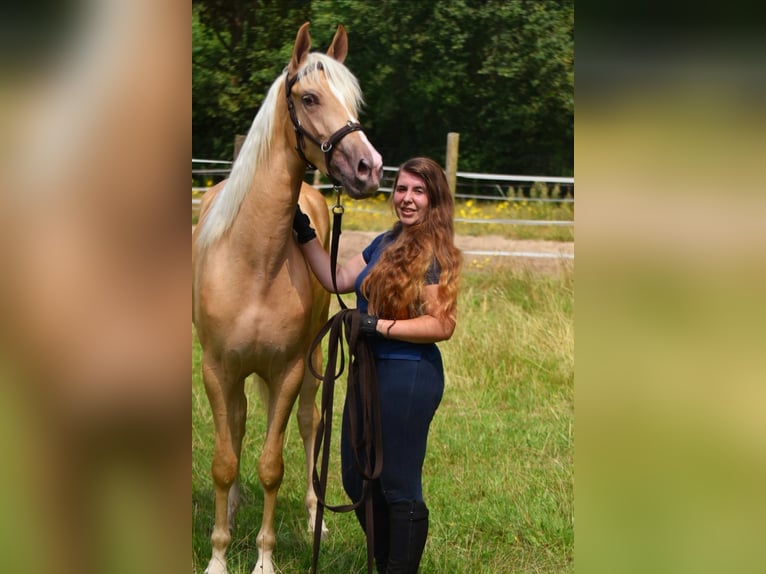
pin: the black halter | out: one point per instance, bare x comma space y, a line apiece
327, 146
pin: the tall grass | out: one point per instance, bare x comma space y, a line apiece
498, 476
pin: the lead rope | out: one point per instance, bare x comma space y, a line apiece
362, 391
337, 217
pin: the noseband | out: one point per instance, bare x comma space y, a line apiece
328, 146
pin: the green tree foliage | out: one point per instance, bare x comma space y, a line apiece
238, 48
498, 72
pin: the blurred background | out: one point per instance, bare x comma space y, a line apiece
97, 125
670, 259
94, 355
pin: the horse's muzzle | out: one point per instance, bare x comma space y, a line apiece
366, 170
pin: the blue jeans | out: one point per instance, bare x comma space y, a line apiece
410, 392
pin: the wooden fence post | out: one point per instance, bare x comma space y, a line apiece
453, 140
239, 139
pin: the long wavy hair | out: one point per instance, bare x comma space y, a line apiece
395, 283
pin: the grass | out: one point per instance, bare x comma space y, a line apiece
499, 473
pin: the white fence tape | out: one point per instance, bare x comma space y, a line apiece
211, 161
499, 177
534, 254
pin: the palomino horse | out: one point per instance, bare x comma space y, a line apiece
257, 307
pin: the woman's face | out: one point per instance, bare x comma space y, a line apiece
410, 199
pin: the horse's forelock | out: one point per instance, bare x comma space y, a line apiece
337, 75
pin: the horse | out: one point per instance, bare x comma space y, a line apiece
256, 305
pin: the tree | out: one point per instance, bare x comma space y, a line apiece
525, 87
239, 48
499, 72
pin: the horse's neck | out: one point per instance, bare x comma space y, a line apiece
263, 227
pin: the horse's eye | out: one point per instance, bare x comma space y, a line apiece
309, 100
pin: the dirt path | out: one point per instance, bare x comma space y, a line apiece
487, 250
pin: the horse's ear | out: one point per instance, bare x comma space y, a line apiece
339, 46
301, 48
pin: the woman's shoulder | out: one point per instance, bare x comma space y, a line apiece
381, 240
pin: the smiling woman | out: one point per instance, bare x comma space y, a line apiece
406, 282
410, 198
421, 240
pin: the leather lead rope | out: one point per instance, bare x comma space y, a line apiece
337, 217
362, 393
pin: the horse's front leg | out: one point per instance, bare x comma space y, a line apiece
271, 467
228, 405
308, 420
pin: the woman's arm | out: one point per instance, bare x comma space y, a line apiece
423, 329
319, 261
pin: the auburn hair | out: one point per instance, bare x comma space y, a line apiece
395, 283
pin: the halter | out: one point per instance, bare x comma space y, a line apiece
327, 146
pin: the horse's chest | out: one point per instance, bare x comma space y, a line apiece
277, 320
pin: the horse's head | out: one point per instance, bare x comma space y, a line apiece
323, 98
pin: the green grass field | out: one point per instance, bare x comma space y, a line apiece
499, 473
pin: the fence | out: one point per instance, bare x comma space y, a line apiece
475, 182
469, 185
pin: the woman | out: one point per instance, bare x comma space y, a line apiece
407, 281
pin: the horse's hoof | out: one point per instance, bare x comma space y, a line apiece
264, 568
216, 566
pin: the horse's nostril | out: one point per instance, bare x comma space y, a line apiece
364, 168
